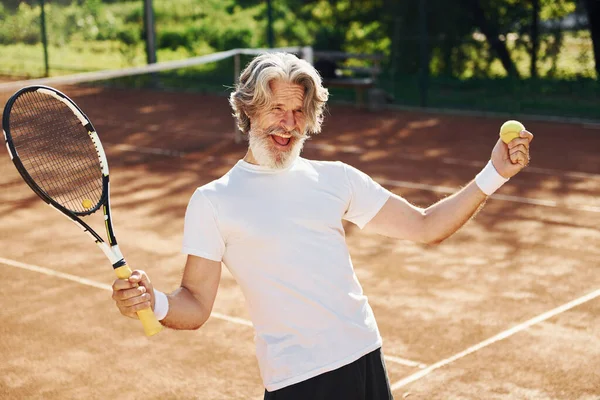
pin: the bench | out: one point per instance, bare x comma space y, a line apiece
335, 73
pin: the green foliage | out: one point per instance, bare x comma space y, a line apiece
173, 38
21, 27
457, 48
128, 38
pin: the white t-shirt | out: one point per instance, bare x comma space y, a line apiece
280, 234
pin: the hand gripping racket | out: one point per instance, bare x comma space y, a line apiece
58, 153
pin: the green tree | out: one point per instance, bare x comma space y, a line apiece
593, 13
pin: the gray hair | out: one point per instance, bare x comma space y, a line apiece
252, 93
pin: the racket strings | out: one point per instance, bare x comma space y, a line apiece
72, 155
56, 150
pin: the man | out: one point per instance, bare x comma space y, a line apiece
275, 220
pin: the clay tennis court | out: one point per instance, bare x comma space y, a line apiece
508, 308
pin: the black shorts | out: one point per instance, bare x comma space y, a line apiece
364, 379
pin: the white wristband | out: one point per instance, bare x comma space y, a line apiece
489, 180
161, 305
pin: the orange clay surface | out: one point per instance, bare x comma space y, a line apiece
533, 248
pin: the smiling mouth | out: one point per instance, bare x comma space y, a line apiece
281, 141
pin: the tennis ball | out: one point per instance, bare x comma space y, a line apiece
510, 130
87, 203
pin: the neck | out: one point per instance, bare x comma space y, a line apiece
249, 158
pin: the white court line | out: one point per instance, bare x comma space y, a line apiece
502, 335
405, 184
454, 161
529, 169
98, 285
148, 150
357, 150
503, 197
404, 361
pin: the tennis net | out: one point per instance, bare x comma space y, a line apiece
214, 72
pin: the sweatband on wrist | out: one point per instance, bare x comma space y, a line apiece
489, 180
161, 305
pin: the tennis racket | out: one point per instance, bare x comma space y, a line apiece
58, 153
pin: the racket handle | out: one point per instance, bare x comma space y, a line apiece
149, 321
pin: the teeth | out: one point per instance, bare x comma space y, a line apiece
283, 136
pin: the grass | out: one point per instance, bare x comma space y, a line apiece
578, 96
27, 61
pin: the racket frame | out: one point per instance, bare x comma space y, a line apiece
111, 250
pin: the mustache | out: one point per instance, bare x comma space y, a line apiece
276, 130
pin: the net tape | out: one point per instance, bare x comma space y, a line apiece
305, 52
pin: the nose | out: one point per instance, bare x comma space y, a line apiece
287, 120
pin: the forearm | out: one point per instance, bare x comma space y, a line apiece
445, 217
186, 312
401, 220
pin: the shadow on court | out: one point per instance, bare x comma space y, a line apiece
514, 261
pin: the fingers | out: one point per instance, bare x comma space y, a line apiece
527, 135
522, 141
519, 154
131, 310
518, 148
133, 294
519, 158
130, 301
140, 278
125, 294
137, 277
143, 300
121, 284
511, 158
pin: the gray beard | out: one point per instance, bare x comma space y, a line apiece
268, 155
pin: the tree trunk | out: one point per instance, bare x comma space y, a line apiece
535, 39
593, 13
492, 33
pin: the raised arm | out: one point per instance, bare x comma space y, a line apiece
399, 219
188, 307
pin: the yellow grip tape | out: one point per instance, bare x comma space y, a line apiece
149, 321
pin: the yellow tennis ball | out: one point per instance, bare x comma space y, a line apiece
510, 130
87, 203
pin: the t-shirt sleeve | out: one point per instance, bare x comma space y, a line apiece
201, 234
366, 197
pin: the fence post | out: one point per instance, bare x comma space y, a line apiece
150, 32
44, 39
307, 54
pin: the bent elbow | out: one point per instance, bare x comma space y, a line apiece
183, 326
188, 323
432, 238
434, 241
195, 325
205, 316
431, 234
